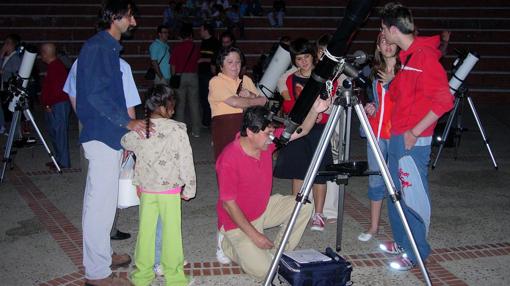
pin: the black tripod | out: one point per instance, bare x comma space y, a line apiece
20, 101
456, 113
345, 100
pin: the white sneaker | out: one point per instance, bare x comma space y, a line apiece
220, 255
365, 236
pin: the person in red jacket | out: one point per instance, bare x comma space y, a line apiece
56, 104
420, 95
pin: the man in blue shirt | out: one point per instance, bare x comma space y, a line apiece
160, 56
101, 108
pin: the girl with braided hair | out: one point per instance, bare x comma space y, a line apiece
164, 174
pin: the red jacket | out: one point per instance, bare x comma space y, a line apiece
419, 87
53, 83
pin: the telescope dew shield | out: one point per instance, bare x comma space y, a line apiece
278, 65
27, 63
355, 14
462, 72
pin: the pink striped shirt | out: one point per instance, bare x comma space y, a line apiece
167, 192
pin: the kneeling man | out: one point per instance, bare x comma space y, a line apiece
245, 206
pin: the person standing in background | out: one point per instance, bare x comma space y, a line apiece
160, 56
206, 68
184, 62
56, 105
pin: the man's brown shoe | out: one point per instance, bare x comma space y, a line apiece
112, 280
120, 260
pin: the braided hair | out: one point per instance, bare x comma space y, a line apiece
159, 95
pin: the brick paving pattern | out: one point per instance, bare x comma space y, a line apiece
69, 238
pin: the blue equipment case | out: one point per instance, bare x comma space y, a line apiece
335, 272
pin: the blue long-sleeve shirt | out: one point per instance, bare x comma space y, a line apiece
100, 101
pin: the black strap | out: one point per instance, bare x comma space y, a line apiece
164, 54
407, 60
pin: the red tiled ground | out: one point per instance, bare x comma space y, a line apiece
69, 238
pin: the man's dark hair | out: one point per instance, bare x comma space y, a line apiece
230, 35
15, 38
161, 27
209, 27
223, 53
112, 10
254, 119
395, 14
302, 46
186, 31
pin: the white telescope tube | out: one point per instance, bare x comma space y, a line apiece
27, 63
278, 65
462, 72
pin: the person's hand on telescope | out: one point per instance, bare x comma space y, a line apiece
261, 241
370, 109
385, 76
321, 105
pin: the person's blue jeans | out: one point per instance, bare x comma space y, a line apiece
376, 186
421, 155
58, 125
157, 257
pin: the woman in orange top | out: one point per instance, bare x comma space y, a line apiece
229, 94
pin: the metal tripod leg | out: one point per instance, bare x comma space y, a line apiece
29, 116
312, 171
390, 186
10, 140
346, 138
482, 131
305, 189
446, 131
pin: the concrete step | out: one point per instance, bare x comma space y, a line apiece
252, 33
140, 47
487, 10
87, 21
268, 3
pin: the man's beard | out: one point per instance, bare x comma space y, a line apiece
128, 33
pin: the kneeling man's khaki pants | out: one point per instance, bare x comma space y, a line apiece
253, 260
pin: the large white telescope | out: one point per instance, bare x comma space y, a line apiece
278, 65
27, 63
462, 71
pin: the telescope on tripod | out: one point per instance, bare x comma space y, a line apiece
19, 103
462, 66
327, 70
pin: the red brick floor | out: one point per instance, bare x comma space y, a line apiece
69, 238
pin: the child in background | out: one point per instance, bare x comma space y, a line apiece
164, 174
385, 65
